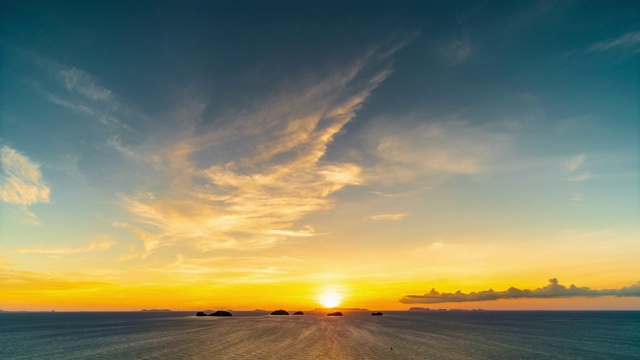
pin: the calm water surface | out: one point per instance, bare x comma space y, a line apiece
357, 335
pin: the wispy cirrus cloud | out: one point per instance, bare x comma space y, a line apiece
575, 163
44, 284
103, 117
276, 175
240, 269
627, 42
116, 143
552, 290
78, 81
434, 148
21, 181
390, 217
83, 94
456, 47
96, 246
401, 194
575, 168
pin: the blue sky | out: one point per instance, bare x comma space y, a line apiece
471, 144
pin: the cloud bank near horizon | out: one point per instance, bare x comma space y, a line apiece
552, 290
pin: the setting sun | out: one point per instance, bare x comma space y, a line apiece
330, 299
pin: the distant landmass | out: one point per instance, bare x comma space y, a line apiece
156, 310
337, 313
419, 308
341, 309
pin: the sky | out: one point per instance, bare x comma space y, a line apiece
272, 154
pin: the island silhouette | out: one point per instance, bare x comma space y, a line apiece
280, 312
217, 313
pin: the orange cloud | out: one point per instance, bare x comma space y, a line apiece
101, 245
22, 182
278, 175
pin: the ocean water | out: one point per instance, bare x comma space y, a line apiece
356, 335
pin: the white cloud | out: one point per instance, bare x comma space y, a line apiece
629, 41
21, 182
116, 143
101, 116
78, 81
83, 95
574, 163
575, 169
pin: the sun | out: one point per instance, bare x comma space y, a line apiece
330, 299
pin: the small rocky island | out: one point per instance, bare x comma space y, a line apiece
280, 312
298, 313
217, 313
376, 314
337, 313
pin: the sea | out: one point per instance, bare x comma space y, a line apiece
356, 335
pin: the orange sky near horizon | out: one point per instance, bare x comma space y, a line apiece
105, 297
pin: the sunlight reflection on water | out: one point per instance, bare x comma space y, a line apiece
357, 335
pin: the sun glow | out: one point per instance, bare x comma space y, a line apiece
330, 299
